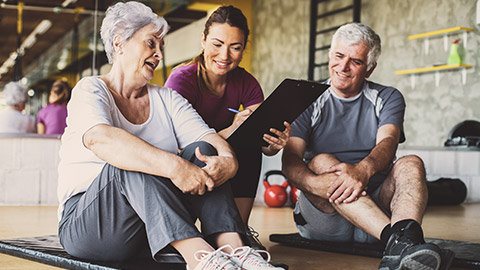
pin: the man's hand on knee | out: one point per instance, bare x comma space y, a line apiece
350, 183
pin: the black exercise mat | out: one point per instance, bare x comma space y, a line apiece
47, 250
455, 253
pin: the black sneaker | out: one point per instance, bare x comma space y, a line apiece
252, 239
254, 242
403, 252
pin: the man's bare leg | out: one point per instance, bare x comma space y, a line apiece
363, 213
404, 192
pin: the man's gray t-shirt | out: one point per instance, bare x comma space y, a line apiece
347, 128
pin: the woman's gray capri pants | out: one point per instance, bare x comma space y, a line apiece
125, 214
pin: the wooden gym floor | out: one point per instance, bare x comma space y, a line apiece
452, 222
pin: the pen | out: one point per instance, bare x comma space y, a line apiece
233, 110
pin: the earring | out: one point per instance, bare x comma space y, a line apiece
120, 52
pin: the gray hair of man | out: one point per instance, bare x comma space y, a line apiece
125, 19
15, 94
354, 33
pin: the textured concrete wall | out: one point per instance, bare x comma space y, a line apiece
280, 41
280, 49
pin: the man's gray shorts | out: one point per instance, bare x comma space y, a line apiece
314, 224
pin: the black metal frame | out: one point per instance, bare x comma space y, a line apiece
314, 16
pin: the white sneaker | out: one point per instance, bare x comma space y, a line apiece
215, 260
250, 259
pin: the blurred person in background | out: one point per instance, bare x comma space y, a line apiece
13, 120
51, 119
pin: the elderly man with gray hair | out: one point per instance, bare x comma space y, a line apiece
341, 156
12, 120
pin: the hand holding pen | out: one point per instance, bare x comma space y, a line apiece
233, 110
240, 117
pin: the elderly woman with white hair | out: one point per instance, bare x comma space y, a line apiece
124, 189
12, 120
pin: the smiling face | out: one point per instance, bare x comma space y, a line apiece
223, 48
141, 54
348, 68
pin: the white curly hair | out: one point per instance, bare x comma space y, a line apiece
125, 19
15, 94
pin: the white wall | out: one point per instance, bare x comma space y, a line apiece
28, 170
184, 44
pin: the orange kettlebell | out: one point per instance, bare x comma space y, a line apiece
275, 195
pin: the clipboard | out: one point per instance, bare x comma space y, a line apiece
286, 103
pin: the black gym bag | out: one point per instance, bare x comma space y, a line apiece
446, 191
